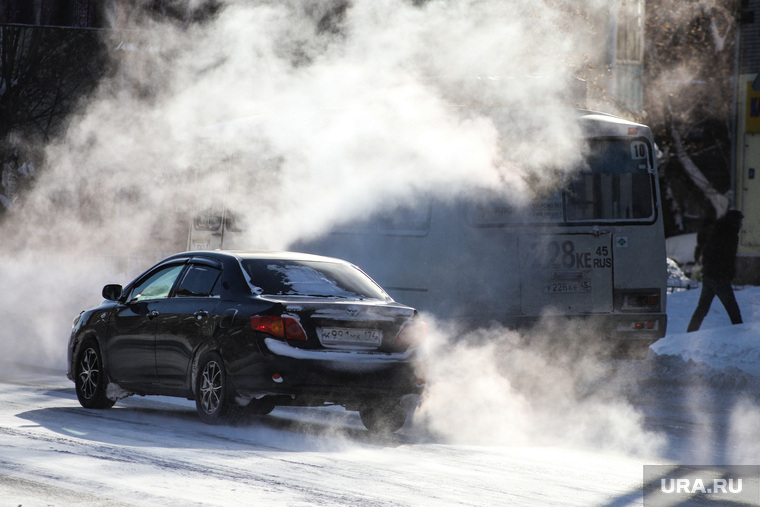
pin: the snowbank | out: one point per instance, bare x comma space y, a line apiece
681, 248
719, 352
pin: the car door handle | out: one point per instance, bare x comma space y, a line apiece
201, 314
152, 315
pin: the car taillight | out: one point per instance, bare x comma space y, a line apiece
280, 327
413, 333
293, 329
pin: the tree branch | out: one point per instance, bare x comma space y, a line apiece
719, 201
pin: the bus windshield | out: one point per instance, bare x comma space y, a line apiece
614, 183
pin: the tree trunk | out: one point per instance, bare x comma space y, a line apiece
719, 201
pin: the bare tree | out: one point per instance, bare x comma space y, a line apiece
689, 98
44, 72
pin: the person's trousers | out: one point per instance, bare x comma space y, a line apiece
712, 287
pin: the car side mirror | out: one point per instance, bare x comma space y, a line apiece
112, 292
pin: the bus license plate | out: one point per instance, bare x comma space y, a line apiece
353, 336
567, 287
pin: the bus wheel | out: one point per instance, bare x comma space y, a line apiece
633, 349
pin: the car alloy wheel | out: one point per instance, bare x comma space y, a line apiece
90, 377
212, 397
89, 373
211, 388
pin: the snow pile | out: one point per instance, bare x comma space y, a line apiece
673, 371
718, 343
681, 248
677, 278
722, 349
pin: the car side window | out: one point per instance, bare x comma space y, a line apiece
158, 285
199, 281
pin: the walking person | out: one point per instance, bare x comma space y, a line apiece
719, 268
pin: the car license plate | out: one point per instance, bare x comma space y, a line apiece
350, 336
566, 287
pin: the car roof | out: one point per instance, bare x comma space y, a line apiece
260, 254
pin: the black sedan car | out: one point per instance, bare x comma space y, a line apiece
243, 332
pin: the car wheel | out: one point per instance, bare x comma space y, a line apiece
212, 394
383, 418
90, 376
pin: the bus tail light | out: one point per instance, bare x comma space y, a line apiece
646, 300
279, 327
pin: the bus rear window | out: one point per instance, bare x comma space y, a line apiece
614, 183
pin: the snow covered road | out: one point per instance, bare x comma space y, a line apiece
668, 409
154, 451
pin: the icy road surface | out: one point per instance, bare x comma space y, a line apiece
154, 451
689, 399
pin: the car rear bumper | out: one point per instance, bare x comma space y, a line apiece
316, 376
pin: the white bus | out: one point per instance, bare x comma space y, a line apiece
590, 256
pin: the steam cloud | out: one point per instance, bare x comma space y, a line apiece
286, 110
297, 115
490, 387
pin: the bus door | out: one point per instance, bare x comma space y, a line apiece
566, 274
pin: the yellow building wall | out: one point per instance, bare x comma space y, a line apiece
747, 172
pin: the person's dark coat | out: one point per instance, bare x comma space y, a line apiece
705, 229
719, 254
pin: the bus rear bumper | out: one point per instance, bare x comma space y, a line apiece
640, 326
613, 327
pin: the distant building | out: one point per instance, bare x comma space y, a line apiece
747, 142
615, 77
627, 64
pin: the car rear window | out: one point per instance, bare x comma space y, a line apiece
278, 277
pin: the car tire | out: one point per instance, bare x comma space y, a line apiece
383, 418
90, 378
213, 397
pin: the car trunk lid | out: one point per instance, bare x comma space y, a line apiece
348, 325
